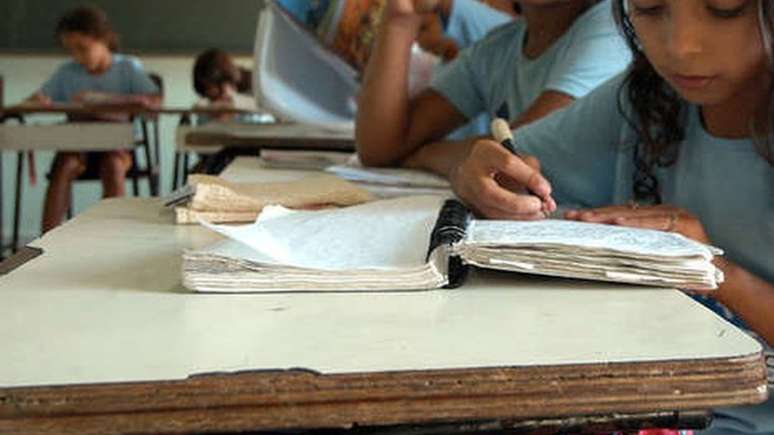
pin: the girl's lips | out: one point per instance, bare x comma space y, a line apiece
691, 82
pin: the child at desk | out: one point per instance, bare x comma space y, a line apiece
683, 141
553, 53
96, 74
445, 38
221, 83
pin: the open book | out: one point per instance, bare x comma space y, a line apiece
426, 242
301, 44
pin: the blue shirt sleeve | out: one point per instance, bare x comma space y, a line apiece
470, 20
594, 53
459, 82
580, 147
54, 87
140, 82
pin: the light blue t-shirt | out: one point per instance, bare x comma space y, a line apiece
587, 152
468, 22
495, 71
124, 77
471, 20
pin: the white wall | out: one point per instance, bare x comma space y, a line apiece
23, 74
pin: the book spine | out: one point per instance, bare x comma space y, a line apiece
450, 228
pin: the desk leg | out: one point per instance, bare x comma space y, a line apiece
2, 209
217, 163
17, 200
175, 170
186, 163
157, 158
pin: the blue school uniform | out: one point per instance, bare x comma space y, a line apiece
471, 20
468, 22
125, 76
494, 72
587, 152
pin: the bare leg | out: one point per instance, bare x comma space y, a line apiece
112, 171
68, 166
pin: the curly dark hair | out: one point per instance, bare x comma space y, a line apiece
91, 21
214, 67
659, 113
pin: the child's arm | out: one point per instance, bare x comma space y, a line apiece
747, 295
103, 98
443, 157
390, 126
750, 297
37, 99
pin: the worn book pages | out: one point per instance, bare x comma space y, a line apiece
375, 246
382, 245
220, 201
392, 182
591, 251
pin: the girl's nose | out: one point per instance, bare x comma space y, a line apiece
685, 35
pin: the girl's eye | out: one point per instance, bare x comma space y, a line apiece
728, 13
647, 10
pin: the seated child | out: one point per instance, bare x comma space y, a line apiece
96, 74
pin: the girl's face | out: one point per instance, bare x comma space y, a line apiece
710, 51
88, 51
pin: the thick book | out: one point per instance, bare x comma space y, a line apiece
216, 200
429, 242
347, 27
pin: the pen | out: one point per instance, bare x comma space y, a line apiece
501, 131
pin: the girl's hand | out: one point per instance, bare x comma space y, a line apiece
37, 99
432, 39
92, 97
410, 7
410, 11
658, 217
497, 184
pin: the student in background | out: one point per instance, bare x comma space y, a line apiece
445, 38
96, 74
682, 142
220, 82
553, 53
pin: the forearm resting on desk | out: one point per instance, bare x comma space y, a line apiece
749, 297
390, 124
440, 157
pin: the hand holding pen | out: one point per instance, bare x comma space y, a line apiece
498, 182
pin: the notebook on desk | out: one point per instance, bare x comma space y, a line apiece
426, 242
214, 199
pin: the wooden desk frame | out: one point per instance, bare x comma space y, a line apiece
508, 397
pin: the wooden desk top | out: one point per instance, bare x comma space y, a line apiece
283, 136
71, 136
130, 109
98, 333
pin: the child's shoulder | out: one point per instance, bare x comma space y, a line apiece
125, 60
70, 67
597, 18
503, 35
